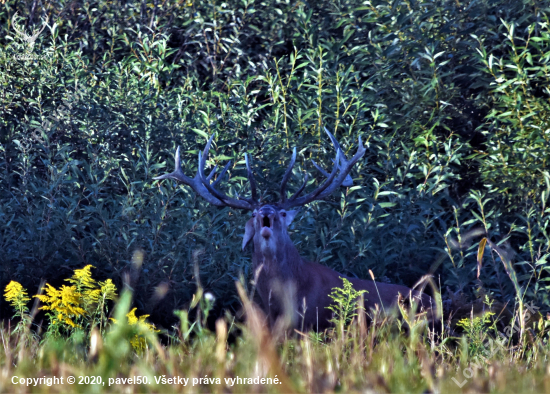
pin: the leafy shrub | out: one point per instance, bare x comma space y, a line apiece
515, 160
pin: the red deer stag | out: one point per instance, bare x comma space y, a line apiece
275, 259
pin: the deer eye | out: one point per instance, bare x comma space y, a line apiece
283, 214
254, 214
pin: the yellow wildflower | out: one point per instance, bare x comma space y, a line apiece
133, 319
138, 341
65, 303
15, 292
17, 296
82, 278
86, 285
82, 304
108, 290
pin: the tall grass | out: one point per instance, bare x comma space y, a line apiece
391, 354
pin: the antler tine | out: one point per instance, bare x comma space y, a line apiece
177, 174
321, 170
219, 195
202, 164
35, 35
196, 185
287, 176
209, 177
202, 186
205, 182
348, 182
313, 195
251, 180
341, 165
333, 139
345, 167
44, 25
220, 177
301, 189
236, 203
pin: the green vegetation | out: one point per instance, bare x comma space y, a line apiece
83, 303
388, 355
451, 98
346, 302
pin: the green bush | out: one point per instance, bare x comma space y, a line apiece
110, 89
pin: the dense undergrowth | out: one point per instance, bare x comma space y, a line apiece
378, 350
450, 97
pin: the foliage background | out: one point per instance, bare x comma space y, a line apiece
451, 96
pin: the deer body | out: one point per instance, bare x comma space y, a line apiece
283, 278
282, 272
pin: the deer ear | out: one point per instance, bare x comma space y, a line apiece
248, 232
290, 215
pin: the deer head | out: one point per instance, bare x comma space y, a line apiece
268, 227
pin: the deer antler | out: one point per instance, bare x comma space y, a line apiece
348, 182
341, 165
202, 186
287, 176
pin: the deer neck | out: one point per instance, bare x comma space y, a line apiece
277, 273
283, 261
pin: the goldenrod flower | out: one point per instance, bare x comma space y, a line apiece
80, 305
65, 303
17, 296
86, 285
138, 341
133, 319
108, 290
15, 292
82, 278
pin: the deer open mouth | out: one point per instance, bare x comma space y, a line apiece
266, 230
